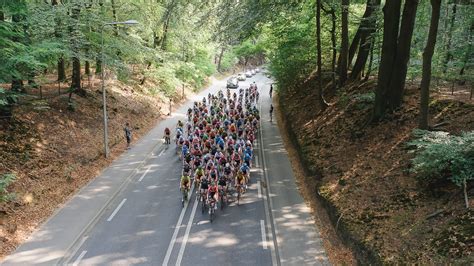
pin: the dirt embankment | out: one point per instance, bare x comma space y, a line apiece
54, 151
360, 173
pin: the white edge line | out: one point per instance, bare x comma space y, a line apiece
116, 210
264, 234
259, 189
175, 233
186, 234
256, 160
78, 260
267, 202
144, 174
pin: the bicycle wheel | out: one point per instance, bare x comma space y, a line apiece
222, 201
203, 206
238, 196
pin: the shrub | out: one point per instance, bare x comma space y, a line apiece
5, 181
441, 155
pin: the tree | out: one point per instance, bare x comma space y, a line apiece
57, 33
427, 55
449, 36
76, 46
395, 55
367, 29
344, 42
319, 73
332, 12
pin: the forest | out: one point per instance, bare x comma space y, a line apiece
377, 97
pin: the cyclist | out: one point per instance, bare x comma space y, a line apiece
167, 136
212, 195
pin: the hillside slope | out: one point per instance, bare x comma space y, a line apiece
54, 151
360, 171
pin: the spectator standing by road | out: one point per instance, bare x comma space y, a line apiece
128, 134
271, 90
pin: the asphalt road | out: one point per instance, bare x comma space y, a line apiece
132, 215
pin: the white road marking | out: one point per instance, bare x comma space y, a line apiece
175, 233
186, 234
144, 174
161, 153
259, 189
78, 260
264, 234
256, 161
267, 202
116, 210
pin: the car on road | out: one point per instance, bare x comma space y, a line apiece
257, 70
232, 83
241, 77
253, 72
248, 74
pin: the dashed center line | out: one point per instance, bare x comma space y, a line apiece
144, 174
116, 210
259, 189
186, 234
161, 153
78, 260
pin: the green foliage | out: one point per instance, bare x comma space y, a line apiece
229, 59
441, 155
5, 181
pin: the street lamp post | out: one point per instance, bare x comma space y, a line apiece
104, 101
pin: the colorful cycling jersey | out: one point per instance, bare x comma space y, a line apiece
244, 168
185, 180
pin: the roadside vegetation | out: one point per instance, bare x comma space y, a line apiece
377, 98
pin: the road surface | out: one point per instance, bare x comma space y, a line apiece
132, 215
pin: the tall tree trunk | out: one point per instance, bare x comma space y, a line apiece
98, 59
17, 82
114, 15
371, 59
221, 54
400, 67
427, 55
449, 55
344, 42
334, 49
468, 53
391, 11
57, 34
319, 76
165, 33
367, 27
76, 62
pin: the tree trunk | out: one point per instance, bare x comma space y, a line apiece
449, 55
344, 42
367, 28
468, 53
165, 33
87, 69
391, 19
98, 59
17, 82
400, 67
114, 15
76, 62
57, 34
371, 59
322, 102
221, 54
334, 49
427, 55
